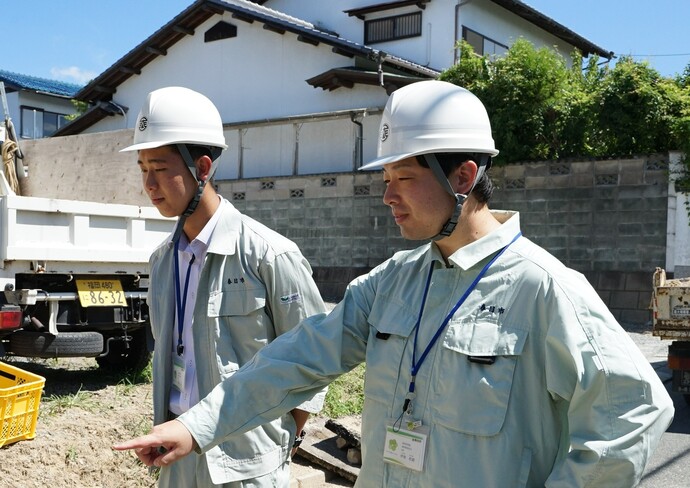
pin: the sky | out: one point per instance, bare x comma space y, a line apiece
76, 40
655, 31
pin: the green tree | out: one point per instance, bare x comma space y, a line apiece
527, 94
80, 107
636, 110
542, 109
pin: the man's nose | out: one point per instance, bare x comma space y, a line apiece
149, 180
390, 196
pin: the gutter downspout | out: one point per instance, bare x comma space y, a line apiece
295, 156
240, 154
359, 142
458, 35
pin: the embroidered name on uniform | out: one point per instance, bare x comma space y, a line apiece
491, 308
295, 297
235, 281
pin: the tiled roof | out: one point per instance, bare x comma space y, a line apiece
105, 85
530, 14
16, 81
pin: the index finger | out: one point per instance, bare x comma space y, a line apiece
138, 443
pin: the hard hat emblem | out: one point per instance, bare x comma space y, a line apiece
143, 123
385, 132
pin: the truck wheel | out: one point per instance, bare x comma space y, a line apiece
64, 345
121, 358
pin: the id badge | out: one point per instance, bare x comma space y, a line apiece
178, 374
406, 444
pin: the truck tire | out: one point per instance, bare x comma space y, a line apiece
121, 359
64, 345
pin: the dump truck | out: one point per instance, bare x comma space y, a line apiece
75, 278
671, 321
73, 273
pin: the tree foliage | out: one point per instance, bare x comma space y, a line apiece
542, 107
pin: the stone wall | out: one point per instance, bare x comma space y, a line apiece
604, 218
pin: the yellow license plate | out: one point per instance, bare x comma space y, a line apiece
101, 293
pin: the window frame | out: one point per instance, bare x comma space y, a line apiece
60, 119
395, 20
484, 39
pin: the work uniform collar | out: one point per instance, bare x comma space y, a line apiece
200, 243
227, 230
203, 239
471, 254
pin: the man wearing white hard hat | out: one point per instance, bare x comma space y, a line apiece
488, 362
221, 287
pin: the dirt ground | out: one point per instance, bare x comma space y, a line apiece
74, 434
82, 414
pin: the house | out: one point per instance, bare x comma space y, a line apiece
37, 106
300, 84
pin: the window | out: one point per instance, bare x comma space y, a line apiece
392, 28
37, 123
483, 45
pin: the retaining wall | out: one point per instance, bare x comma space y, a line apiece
604, 218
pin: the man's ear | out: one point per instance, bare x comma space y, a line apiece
463, 176
203, 167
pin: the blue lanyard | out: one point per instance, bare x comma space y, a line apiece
181, 301
418, 364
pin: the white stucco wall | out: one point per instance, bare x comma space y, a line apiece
300, 147
257, 79
678, 224
442, 22
497, 23
258, 74
323, 14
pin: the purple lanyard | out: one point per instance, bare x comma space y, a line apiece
418, 364
181, 301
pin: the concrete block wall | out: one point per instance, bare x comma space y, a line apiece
604, 218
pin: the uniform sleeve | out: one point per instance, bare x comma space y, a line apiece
292, 296
284, 374
617, 408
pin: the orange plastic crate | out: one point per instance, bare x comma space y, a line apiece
20, 397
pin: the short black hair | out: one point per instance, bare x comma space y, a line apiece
483, 189
196, 151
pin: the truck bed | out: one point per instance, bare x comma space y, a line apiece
76, 236
671, 307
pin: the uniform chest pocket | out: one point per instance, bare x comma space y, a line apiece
239, 324
477, 364
236, 302
390, 327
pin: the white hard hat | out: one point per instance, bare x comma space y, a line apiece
177, 115
432, 117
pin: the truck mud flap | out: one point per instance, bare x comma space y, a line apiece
63, 345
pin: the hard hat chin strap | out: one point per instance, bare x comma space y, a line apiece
191, 207
452, 222
460, 198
